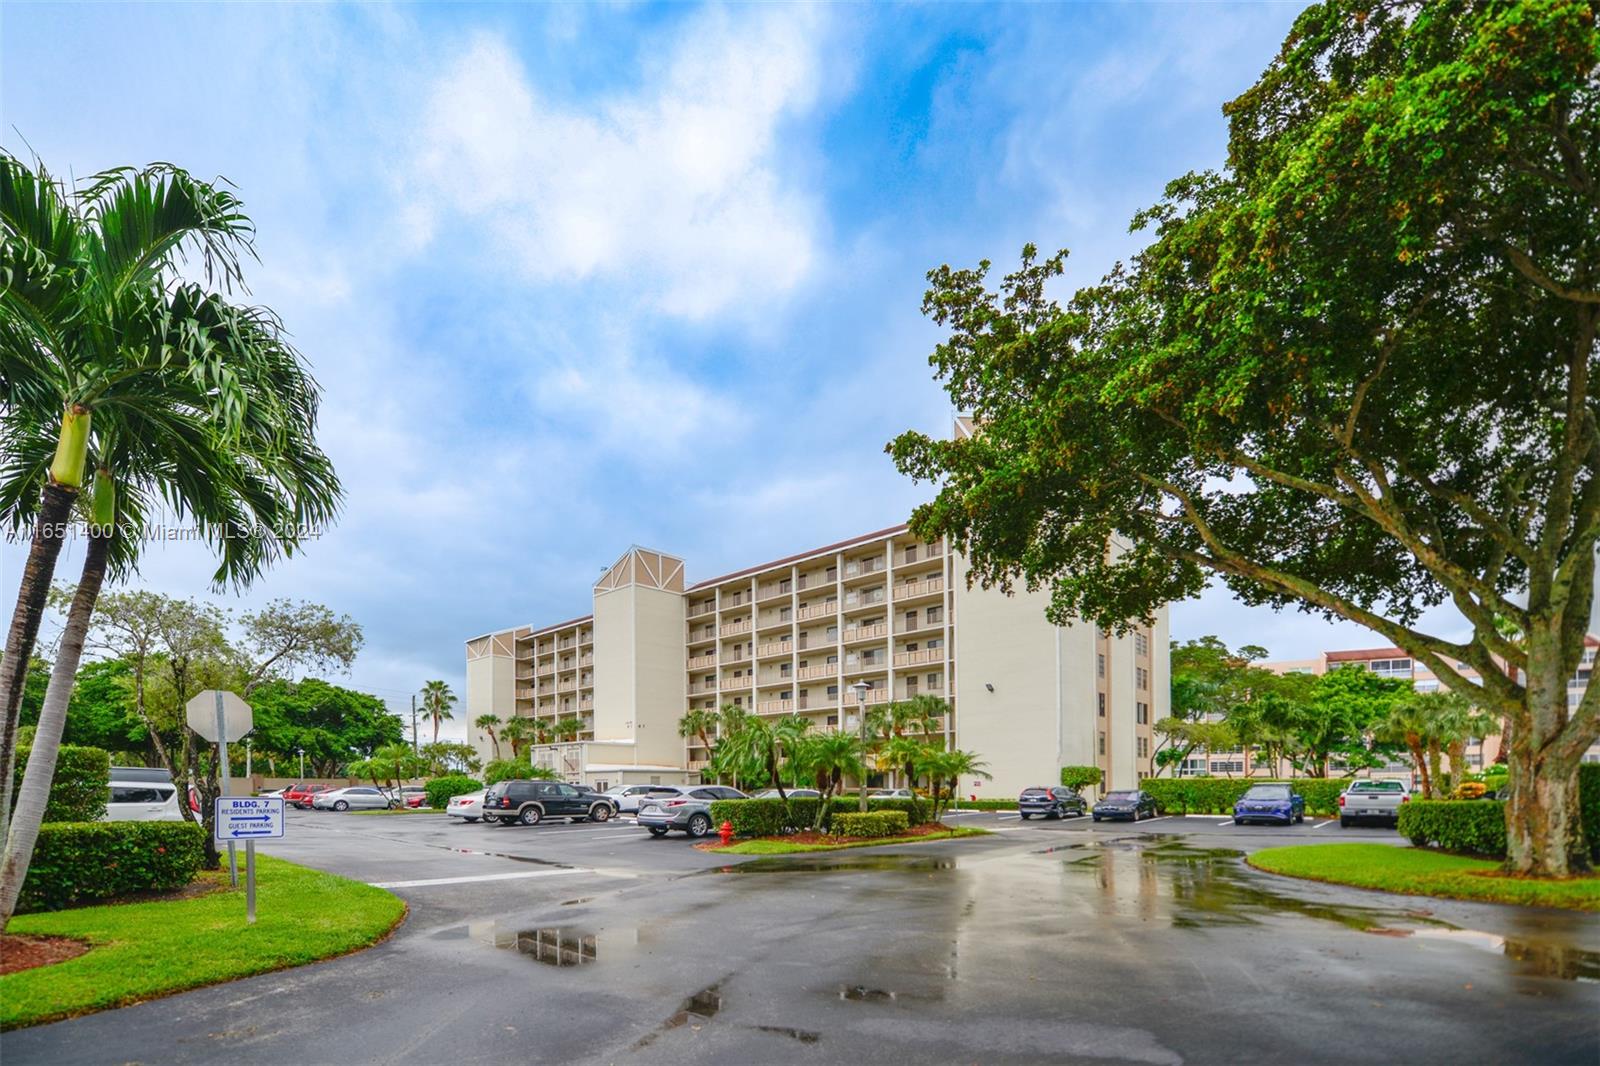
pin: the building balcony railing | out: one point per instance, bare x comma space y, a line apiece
735, 599
817, 673
874, 695
815, 581
774, 621
547, 668
587, 660
700, 610
902, 626
524, 675
772, 648
771, 592
701, 689
913, 589
699, 764
733, 629
735, 656
567, 686
524, 693
768, 680
870, 598
917, 658
586, 637
861, 567
700, 662
775, 707
817, 610
860, 664
872, 632
736, 684
586, 704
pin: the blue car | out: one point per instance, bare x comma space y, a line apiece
1270, 803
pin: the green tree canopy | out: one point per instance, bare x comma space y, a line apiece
1355, 372
334, 725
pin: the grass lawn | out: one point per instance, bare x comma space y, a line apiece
767, 846
145, 950
1418, 872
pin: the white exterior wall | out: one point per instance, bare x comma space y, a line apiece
491, 689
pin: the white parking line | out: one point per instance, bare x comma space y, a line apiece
1319, 825
1226, 821
518, 876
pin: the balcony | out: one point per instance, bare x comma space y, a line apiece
871, 598
773, 648
775, 707
568, 686
700, 689
586, 704
524, 693
771, 592
814, 581
865, 664
917, 658
863, 567
817, 610
900, 626
872, 632
736, 655
737, 684
768, 680
733, 629
524, 675
915, 589
817, 673
701, 662
700, 610
586, 661
586, 637
547, 668
699, 764
776, 620
735, 599
874, 695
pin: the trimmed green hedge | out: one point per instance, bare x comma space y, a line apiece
440, 789
78, 862
768, 817
1217, 795
1589, 805
81, 786
984, 805
1079, 778
871, 824
1471, 827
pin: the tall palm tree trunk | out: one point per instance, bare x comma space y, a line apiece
35, 790
48, 533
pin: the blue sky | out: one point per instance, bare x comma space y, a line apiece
575, 277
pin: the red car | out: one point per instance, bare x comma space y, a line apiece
300, 794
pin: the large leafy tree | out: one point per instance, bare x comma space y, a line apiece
331, 723
1355, 371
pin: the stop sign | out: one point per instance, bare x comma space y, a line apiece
201, 714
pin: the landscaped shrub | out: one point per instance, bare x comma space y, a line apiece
1471, 827
1079, 778
753, 817
852, 804
1589, 805
440, 789
505, 770
983, 805
81, 786
1216, 795
77, 862
871, 824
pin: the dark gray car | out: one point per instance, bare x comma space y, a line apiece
689, 810
1052, 802
531, 802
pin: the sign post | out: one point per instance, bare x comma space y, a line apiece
216, 715
249, 818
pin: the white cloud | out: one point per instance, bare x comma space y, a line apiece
677, 189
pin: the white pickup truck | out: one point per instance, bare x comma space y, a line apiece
1372, 801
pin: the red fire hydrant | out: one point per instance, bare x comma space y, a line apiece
726, 833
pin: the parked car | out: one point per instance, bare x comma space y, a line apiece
530, 802
689, 810
1269, 803
355, 798
142, 794
1132, 804
270, 793
469, 807
890, 794
411, 795
628, 797
1051, 801
792, 793
1370, 800
300, 794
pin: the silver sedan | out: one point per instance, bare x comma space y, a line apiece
356, 798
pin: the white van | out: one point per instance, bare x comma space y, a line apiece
142, 794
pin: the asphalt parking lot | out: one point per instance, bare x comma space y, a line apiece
1055, 941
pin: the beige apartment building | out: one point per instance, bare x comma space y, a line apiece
795, 636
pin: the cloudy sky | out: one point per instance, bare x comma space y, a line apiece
575, 277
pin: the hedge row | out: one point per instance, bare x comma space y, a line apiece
1216, 795
81, 786
769, 817
984, 805
871, 824
440, 789
1472, 827
79, 862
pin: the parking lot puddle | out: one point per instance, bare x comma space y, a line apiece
905, 863
552, 945
697, 1010
1203, 888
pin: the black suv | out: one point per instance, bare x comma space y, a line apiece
1052, 802
530, 802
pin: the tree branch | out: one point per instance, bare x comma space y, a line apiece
1531, 270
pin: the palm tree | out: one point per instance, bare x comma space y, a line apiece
488, 723
437, 699
168, 392
698, 724
517, 731
543, 731
568, 727
952, 766
907, 755
171, 394
923, 710
827, 757
1409, 722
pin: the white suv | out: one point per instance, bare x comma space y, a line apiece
141, 794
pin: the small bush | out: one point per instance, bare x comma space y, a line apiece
79, 862
872, 824
753, 817
440, 789
505, 770
852, 804
985, 805
81, 786
1079, 778
1470, 827
1589, 805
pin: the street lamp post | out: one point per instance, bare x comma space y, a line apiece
861, 688
302, 753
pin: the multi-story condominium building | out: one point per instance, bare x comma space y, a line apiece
798, 636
